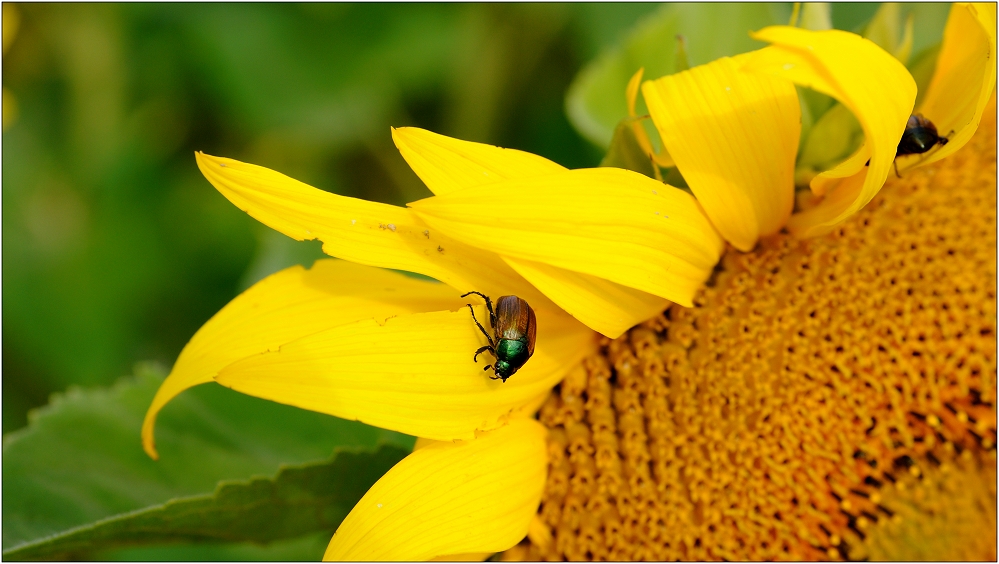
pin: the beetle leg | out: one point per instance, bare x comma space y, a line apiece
896, 169
492, 314
489, 306
481, 328
482, 350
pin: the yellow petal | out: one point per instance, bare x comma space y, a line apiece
662, 158
291, 304
609, 223
529, 409
631, 92
606, 307
468, 557
413, 373
963, 81
734, 137
446, 164
474, 496
360, 231
864, 78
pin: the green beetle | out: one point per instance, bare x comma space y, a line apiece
514, 329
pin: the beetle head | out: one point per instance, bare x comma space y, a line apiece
504, 369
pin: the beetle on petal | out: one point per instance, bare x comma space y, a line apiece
514, 330
919, 136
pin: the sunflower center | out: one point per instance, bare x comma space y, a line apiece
798, 408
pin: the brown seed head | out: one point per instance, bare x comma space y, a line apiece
825, 399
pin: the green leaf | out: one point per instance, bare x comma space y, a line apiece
300, 499
625, 152
891, 32
927, 37
596, 102
80, 462
852, 16
833, 137
309, 548
929, 20
816, 16
682, 58
922, 69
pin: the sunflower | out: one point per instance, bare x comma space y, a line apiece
594, 251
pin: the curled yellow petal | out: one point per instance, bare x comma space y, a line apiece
734, 137
606, 307
446, 164
963, 81
864, 78
476, 496
287, 305
412, 373
360, 231
609, 223
662, 158
631, 92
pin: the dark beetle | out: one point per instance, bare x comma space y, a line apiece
514, 328
920, 135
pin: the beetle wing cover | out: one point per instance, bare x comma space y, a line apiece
515, 320
532, 328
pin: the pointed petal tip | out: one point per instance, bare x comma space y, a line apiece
631, 92
148, 438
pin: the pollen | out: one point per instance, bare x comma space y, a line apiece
825, 399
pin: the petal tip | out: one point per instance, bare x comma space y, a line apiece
148, 438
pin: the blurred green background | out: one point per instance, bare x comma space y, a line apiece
115, 248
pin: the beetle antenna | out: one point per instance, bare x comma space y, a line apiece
479, 325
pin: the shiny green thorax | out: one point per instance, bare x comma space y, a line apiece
511, 354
